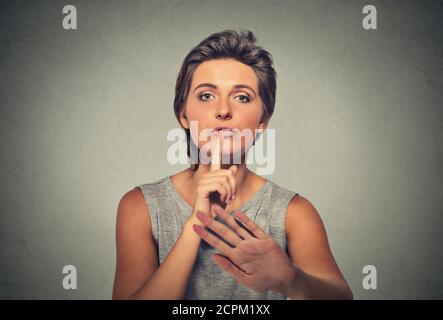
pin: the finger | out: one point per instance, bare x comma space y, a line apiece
223, 231
236, 226
216, 152
216, 186
229, 173
236, 272
254, 228
223, 179
213, 240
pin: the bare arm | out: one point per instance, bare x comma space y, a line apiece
317, 275
138, 274
257, 261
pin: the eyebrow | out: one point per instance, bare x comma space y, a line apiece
236, 86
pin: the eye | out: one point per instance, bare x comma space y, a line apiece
244, 101
204, 95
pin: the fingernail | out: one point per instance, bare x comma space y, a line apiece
200, 215
233, 196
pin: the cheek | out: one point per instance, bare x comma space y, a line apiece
250, 116
196, 119
199, 116
194, 113
250, 122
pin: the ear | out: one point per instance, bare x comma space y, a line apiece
263, 124
184, 120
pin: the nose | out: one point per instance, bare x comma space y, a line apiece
224, 112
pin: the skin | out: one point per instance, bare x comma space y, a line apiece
247, 252
223, 106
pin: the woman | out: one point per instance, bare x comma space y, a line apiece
260, 241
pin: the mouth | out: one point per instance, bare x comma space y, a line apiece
226, 131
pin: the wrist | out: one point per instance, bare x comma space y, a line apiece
193, 220
189, 233
288, 285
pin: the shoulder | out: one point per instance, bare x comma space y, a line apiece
133, 210
301, 215
132, 199
300, 205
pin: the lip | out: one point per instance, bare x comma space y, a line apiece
222, 128
226, 131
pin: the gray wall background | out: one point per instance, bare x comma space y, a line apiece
84, 116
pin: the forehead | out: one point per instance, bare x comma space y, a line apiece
225, 72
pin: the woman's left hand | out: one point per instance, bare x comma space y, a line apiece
252, 257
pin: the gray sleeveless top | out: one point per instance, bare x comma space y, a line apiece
169, 211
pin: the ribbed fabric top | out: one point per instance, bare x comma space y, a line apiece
168, 213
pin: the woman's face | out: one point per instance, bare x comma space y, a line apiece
224, 93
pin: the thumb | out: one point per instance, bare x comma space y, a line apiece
234, 169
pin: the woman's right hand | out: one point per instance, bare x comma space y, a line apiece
217, 185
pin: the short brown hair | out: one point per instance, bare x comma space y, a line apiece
240, 46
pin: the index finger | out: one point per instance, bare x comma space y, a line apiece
216, 152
